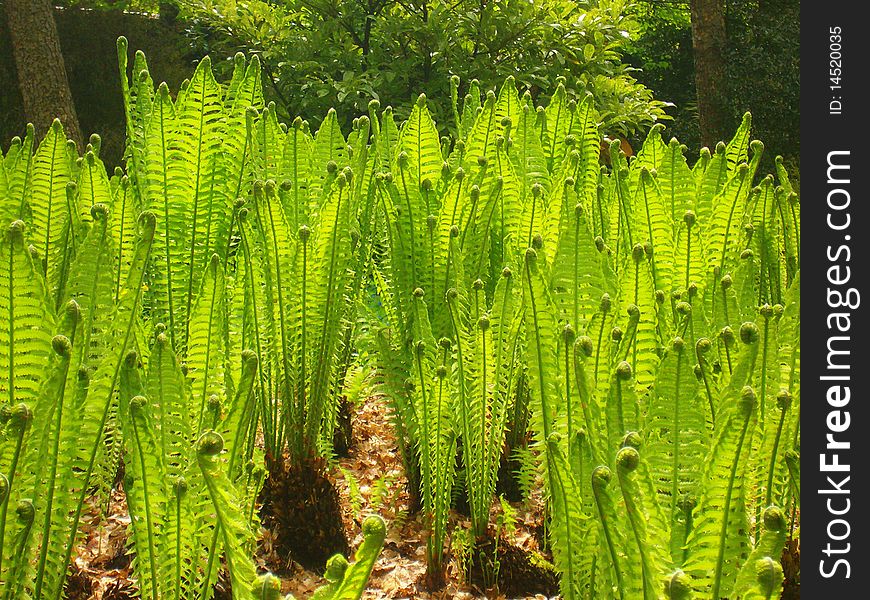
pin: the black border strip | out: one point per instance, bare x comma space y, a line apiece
828, 255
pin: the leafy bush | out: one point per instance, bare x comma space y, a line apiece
350, 51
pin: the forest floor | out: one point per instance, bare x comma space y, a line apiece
370, 480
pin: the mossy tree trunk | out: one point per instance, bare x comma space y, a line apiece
709, 42
42, 75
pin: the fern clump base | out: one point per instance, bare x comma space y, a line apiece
302, 508
501, 567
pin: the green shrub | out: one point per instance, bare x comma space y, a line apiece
342, 54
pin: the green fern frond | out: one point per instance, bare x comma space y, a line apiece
206, 356
653, 559
236, 536
757, 578
720, 535
25, 320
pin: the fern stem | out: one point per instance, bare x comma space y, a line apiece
464, 402
471, 214
146, 496
569, 402
485, 234
605, 525
11, 345
207, 583
705, 376
26, 151
208, 350
21, 563
545, 406
688, 255
410, 218
52, 473
122, 213
623, 216
279, 287
649, 221
557, 486
166, 221
620, 410
68, 243
723, 532
731, 212
136, 290
675, 429
11, 480
177, 557
797, 233
426, 468
47, 242
268, 427
532, 220
191, 269
324, 360
634, 517
773, 456
599, 192
480, 490
598, 347
762, 387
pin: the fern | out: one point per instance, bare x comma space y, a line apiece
231, 521
351, 584
657, 302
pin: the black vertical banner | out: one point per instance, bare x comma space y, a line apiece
835, 350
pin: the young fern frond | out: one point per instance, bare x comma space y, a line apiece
235, 425
25, 320
98, 401
656, 227
676, 432
40, 463
720, 533
569, 525
654, 561
432, 405
173, 416
47, 203
206, 352
354, 576
758, 578
18, 164
235, 533
616, 568
145, 478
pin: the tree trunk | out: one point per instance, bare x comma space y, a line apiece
709, 44
41, 72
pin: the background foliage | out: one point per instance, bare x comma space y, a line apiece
319, 54
762, 67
